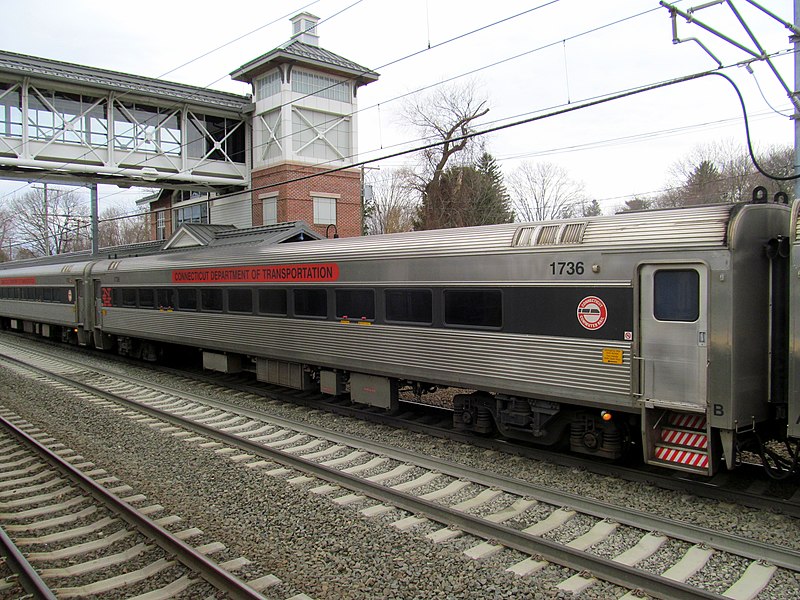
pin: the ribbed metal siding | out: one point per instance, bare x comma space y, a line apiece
49, 270
526, 364
701, 227
41, 312
704, 227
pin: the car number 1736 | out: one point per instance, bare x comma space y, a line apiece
566, 268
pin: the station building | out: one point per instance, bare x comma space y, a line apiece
282, 153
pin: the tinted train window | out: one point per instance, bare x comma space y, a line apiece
473, 308
187, 299
165, 298
47, 294
240, 301
310, 303
676, 295
128, 297
272, 302
147, 298
211, 299
409, 306
355, 304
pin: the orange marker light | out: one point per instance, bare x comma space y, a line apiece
605, 415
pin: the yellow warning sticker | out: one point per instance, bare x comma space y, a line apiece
612, 356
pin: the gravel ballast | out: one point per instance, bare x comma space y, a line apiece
327, 551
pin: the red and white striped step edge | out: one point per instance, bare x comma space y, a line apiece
688, 421
687, 458
688, 439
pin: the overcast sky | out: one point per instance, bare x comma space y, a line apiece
565, 52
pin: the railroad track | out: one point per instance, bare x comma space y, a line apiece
748, 485
70, 529
453, 503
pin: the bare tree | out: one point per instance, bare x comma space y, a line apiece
445, 116
117, 227
778, 161
6, 224
474, 195
49, 221
724, 172
392, 207
545, 191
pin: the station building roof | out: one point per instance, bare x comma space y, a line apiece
189, 236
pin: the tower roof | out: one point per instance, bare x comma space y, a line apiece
296, 52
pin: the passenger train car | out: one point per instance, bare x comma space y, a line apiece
665, 331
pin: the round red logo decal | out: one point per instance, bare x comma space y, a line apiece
592, 313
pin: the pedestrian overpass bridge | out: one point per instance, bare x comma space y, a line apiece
78, 124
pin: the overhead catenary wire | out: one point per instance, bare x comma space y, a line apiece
563, 110
448, 41
176, 106
637, 195
394, 61
374, 160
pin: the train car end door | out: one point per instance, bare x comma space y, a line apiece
673, 354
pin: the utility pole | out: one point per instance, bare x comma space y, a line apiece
757, 54
95, 228
796, 115
366, 195
46, 221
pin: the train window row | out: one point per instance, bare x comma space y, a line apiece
464, 308
58, 295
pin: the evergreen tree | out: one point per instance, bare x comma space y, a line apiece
591, 209
491, 202
469, 195
703, 185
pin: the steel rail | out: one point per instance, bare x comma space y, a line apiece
778, 555
601, 568
29, 579
669, 480
185, 554
781, 556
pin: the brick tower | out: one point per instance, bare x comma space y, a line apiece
305, 123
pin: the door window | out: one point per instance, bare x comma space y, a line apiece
676, 295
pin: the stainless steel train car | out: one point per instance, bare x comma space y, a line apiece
664, 331
44, 298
